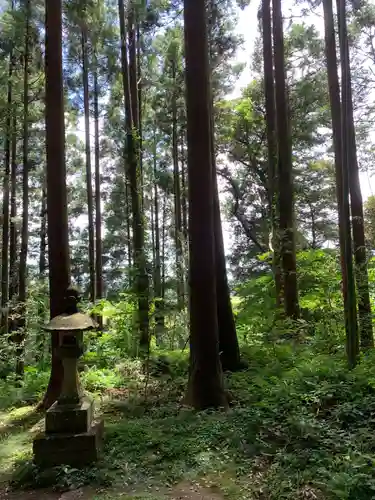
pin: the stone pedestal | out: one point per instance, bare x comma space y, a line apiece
75, 450
71, 436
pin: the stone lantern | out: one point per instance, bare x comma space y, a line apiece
71, 435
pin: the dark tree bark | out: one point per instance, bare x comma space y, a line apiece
13, 281
335, 105
140, 103
25, 199
359, 244
5, 235
40, 340
58, 245
269, 93
163, 244
98, 211
352, 344
228, 342
131, 96
177, 196
43, 232
90, 202
184, 207
159, 305
285, 172
205, 386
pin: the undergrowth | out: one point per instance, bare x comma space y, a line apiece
301, 426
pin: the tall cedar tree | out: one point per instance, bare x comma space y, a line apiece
352, 344
25, 193
90, 202
159, 306
177, 190
5, 235
133, 175
228, 342
57, 229
205, 385
335, 106
269, 94
359, 245
98, 212
285, 172
13, 233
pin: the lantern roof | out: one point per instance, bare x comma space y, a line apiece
76, 321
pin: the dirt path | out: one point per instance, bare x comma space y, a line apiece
182, 491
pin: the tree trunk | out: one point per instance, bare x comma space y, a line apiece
163, 245
131, 96
90, 203
43, 232
269, 93
140, 102
5, 236
184, 193
359, 244
13, 282
177, 198
40, 342
352, 345
25, 200
335, 105
205, 385
285, 173
58, 245
98, 212
128, 218
228, 342
159, 306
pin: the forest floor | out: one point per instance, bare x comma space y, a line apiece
182, 491
301, 427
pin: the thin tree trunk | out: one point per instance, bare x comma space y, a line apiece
98, 213
43, 232
269, 92
184, 192
42, 269
140, 104
58, 245
5, 235
163, 244
205, 386
177, 197
90, 203
128, 230
131, 98
285, 173
352, 345
25, 200
159, 306
13, 282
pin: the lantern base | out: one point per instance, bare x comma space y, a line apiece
69, 449
72, 419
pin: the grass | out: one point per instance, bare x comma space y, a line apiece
302, 427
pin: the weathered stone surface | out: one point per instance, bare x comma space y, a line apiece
73, 420
69, 449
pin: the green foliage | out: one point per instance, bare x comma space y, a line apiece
300, 422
